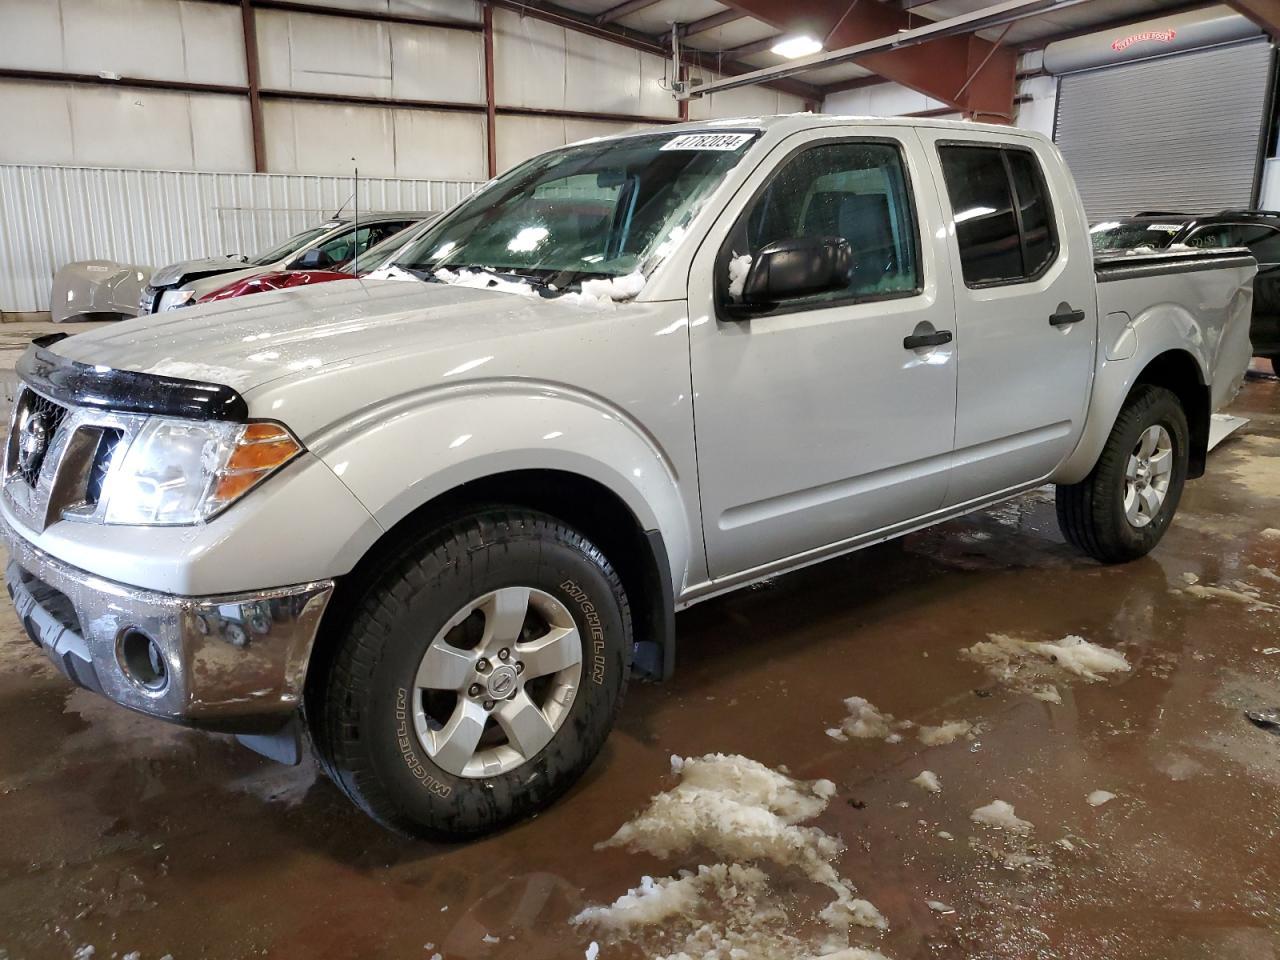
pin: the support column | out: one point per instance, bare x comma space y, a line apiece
250, 27
490, 107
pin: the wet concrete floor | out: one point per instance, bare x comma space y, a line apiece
125, 834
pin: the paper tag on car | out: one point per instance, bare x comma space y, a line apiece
1165, 227
708, 141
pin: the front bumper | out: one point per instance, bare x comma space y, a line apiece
235, 662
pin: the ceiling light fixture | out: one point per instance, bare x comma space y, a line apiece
795, 47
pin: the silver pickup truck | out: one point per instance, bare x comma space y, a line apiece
434, 521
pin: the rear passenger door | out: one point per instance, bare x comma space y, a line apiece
1026, 313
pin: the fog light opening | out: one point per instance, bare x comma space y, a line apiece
142, 660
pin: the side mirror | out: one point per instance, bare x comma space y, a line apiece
797, 268
314, 259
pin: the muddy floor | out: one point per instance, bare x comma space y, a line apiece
139, 840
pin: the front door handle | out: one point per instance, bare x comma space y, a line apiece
919, 340
1065, 315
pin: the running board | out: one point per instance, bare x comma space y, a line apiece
1223, 425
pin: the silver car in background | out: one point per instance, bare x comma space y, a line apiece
326, 247
107, 290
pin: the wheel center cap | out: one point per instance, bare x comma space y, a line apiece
501, 682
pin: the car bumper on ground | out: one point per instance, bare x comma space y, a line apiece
235, 662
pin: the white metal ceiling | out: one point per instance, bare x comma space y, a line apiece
658, 18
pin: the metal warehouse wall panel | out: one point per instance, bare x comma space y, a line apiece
156, 39
1177, 133
53, 215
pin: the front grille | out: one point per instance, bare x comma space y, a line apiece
102, 457
35, 424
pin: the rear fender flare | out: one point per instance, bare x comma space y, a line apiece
1164, 330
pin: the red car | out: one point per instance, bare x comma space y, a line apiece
373, 258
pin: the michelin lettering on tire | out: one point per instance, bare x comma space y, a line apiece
404, 740
595, 629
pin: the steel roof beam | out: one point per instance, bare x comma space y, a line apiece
951, 64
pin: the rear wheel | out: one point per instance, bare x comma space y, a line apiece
479, 678
1123, 508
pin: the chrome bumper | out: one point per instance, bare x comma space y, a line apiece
235, 662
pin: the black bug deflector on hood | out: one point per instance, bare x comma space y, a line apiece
127, 391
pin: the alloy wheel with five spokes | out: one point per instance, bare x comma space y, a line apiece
497, 682
1147, 474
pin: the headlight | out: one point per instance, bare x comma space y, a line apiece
173, 299
185, 471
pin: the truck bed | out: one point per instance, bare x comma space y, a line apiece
1139, 289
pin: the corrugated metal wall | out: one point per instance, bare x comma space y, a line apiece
52, 215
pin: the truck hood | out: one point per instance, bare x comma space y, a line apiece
250, 341
187, 269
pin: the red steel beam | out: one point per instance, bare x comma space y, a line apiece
491, 113
249, 26
972, 75
1265, 13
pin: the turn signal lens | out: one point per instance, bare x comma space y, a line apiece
260, 449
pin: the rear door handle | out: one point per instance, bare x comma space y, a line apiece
927, 340
1065, 315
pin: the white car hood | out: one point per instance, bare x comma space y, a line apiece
250, 341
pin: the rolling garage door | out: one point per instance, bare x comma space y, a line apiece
1180, 132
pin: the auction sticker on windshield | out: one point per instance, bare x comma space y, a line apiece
708, 141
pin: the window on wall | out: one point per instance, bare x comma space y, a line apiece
1003, 217
856, 190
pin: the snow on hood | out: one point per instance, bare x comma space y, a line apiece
598, 294
247, 342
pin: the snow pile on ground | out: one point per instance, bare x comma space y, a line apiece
1077, 655
864, 722
1099, 797
739, 267
928, 780
1238, 592
1032, 666
945, 733
749, 816
1000, 815
484, 280
657, 900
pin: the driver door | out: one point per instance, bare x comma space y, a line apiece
816, 421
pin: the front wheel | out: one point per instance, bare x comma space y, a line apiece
479, 678
1122, 509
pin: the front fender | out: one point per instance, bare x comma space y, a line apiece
400, 455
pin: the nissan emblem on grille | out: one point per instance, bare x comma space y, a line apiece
33, 440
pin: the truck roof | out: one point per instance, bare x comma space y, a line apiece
794, 122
